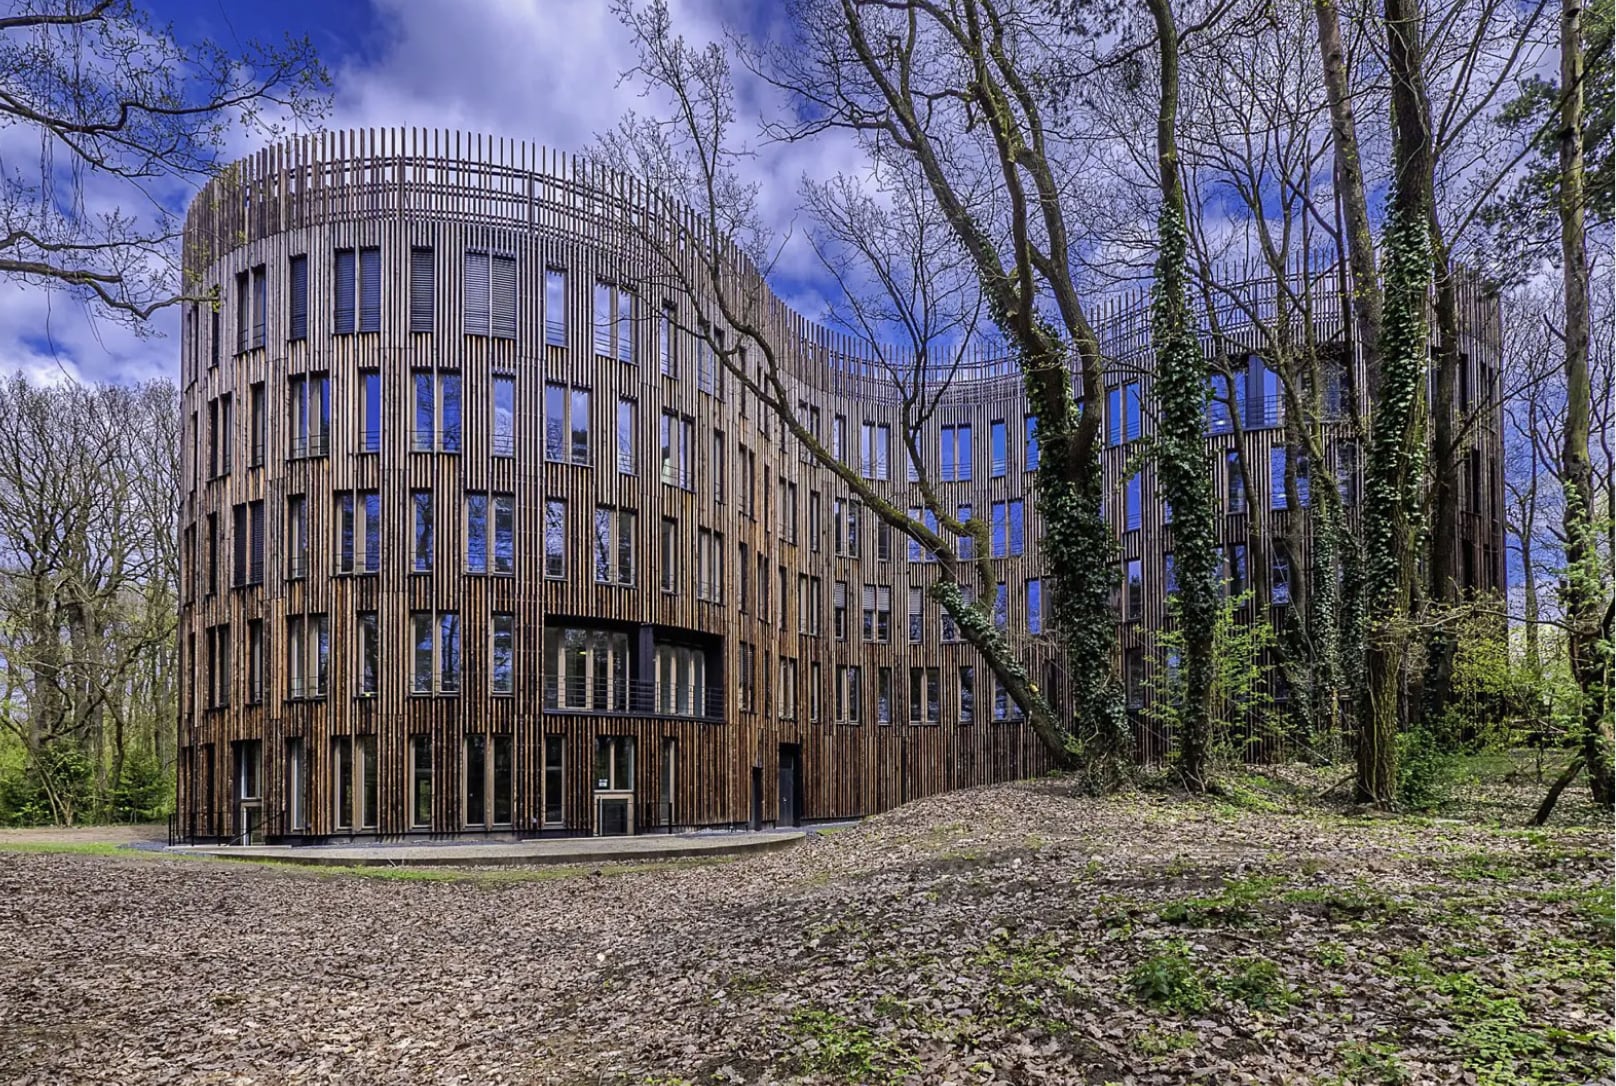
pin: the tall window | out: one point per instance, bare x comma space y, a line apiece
502, 655
1133, 582
555, 307
252, 295
437, 411
614, 322
849, 699
1234, 569
555, 776
788, 510
586, 669
710, 565
490, 286
310, 409
917, 613
1132, 502
667, 360
625, 435
1035, 605
297, 537
838, 613
423, 275
420, 780
1280, 593
435, 652
490, 773
1032, 442
490, 533
359, 533
967, 694
925, 695
308, 655
883, 695
256, 424
678, 440
1276, 477
954, 453
1000, 442
877, 612
555, 538
874, 450
503, 435
1001, 605
669, 554
422, 532
718, 467
369, 655
1235, 482
838, 438
358, 288
566, 424
1122, 413
614, 545
1009, 532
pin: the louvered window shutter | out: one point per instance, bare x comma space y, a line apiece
422, 287
504, 299
345, 291
477, 294
299, 317
256, 565
370, 290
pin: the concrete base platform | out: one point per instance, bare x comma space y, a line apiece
564, 850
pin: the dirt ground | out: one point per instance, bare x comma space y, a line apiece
1005, 935
136, 833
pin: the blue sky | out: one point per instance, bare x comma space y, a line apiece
540, 70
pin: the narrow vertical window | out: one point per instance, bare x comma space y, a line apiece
421, 500
426, 414
504, 533
503, 656
504, 431
476, 533
370, 435
449, 391
1000, 441
555, 538
580, 425
420, 780
1035, 605
625, 436
555, 307
665, 357
369, 656
555, 422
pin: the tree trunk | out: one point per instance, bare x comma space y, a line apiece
1180, 388
1397, 438
1590, 654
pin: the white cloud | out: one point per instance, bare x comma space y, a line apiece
544, 71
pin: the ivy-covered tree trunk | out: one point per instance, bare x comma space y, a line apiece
1397, 433
1180, 386
1585, 602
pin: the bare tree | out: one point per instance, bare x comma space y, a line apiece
127, 118
699, 233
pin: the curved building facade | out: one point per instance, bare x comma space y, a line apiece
478, 538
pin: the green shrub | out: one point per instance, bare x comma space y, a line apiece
1168, 980
1424, 771
1257, 983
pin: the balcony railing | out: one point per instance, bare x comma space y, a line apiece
583, 694
310, 445
1265, 412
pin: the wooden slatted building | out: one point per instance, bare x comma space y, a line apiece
478, 538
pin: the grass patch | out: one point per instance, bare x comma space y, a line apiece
1257, 983
1235, 905
830, 1044
1168, 980
97, 848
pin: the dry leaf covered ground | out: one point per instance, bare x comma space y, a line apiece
1013, 934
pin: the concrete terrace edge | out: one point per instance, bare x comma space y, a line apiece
525, 854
